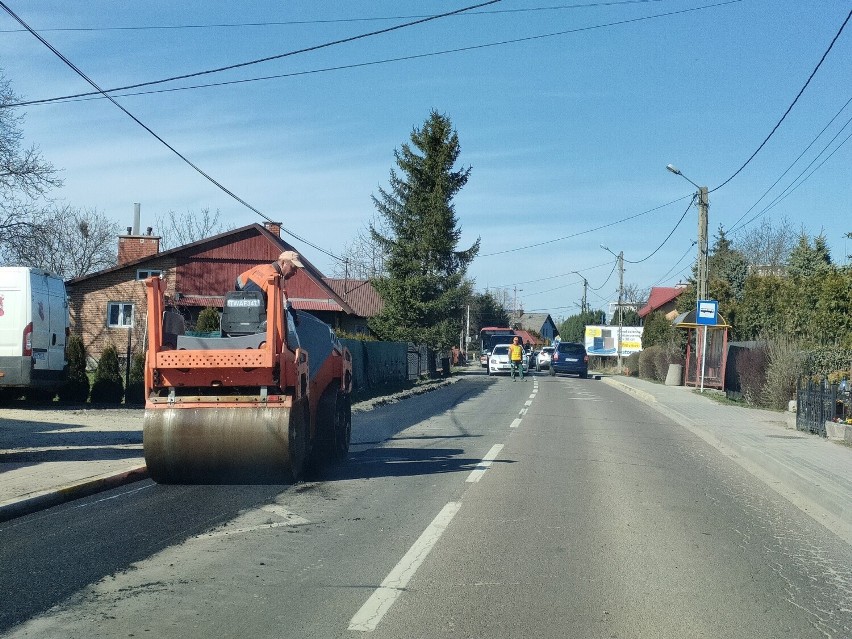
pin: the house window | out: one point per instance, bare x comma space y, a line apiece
144, 274
119, 314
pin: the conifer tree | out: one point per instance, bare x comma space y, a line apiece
76, 388
108, 387
424, 288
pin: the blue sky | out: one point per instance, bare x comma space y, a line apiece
567, 131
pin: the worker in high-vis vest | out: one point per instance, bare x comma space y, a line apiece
516, 357
257, 278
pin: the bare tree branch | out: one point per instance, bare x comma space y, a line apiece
176, 229
768, 245
22, 171
68, 241
365, 257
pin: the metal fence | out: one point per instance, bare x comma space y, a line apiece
818, 402
418, 361
377, 363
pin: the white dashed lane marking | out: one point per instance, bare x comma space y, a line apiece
485, 464
371, 613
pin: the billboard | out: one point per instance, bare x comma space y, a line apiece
603, 340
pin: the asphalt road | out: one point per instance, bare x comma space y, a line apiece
592, 515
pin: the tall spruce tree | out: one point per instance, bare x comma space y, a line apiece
424, 289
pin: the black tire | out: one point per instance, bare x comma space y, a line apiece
584, 375
333, 428
342, 428
552, 372
40, 395
297, 438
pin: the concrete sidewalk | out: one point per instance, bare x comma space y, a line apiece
48, 456
813, 473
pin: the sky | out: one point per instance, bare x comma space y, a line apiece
567, 114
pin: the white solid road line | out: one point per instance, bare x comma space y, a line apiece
371, 613
485, 464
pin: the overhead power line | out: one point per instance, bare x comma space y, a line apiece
551, 277
667, 236
734, 227
279, 56
789, 108
230, 25
799, 180
212, 180
677, 264
149, 130
97, 95
587, 231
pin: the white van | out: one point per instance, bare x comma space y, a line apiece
34, 325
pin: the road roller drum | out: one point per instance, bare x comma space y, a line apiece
212, 445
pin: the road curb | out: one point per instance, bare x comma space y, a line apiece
642, 395
47, 498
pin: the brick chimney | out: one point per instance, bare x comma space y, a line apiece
134, 246
274, 228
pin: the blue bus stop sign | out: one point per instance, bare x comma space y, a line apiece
708, 313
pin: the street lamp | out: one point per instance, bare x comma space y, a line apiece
701, 294
703, 205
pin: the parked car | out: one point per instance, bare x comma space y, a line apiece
498, 361
34, 324
570, 358
543, 358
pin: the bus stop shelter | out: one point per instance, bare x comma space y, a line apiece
716, 354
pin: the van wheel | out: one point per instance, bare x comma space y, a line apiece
40, 395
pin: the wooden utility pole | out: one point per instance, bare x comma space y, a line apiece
620, 304
703, 205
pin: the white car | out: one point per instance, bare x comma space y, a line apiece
542, 360
498, 361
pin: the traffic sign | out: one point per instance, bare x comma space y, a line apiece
708, 313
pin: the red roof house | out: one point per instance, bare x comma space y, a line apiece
104, 305
663, 299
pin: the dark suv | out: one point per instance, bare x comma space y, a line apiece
571, 358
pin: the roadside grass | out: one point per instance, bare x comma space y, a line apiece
721, 398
